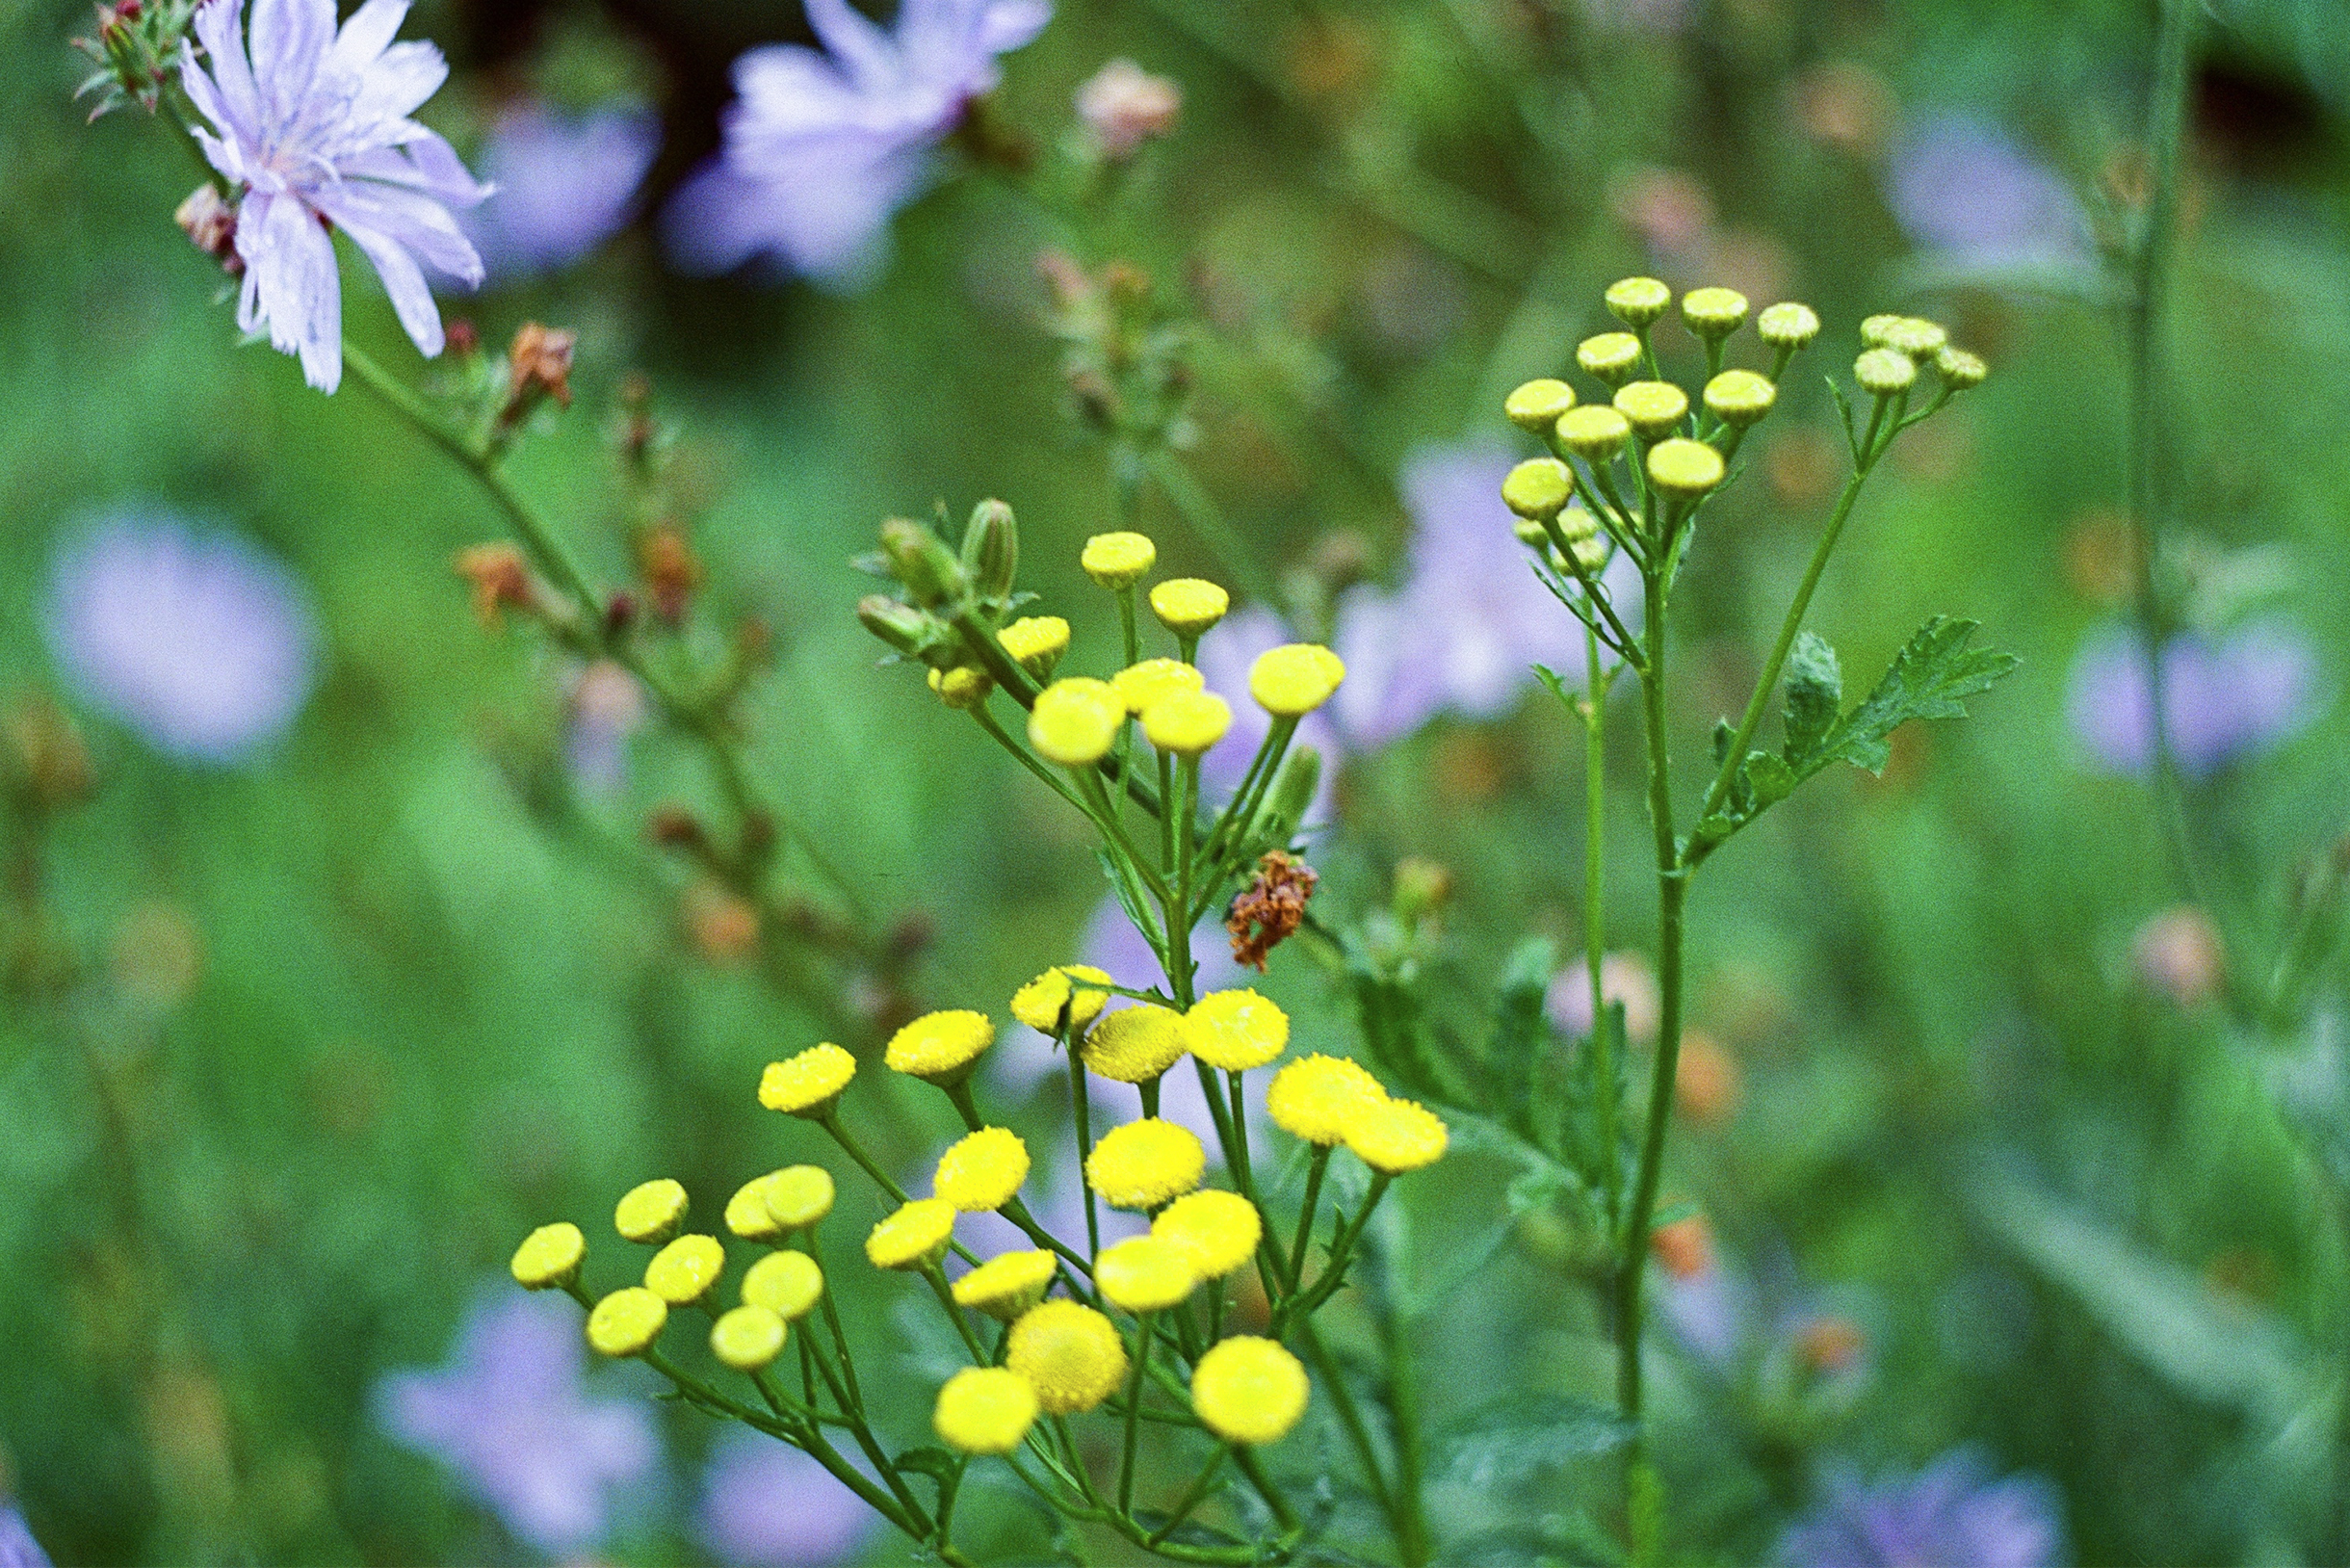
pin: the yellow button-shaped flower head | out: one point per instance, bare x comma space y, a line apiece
962, 687
1614, 357
1248, 1390
985, 1410
1315, 1096
1145, 1273
917, 1234
940, 1047
809, 1083
1041, 1002
1138, 686
1536, 406
1738, 397
1235, 1031
1187, 723
626, 1321
1117, 561
1188, 606
747, 1338
1638, 301
1396, 1136
1684, 468
1293, 680
799, 1197
1654, 407
651, 1212
1915, 336
1884, 372
747, 1215
981, 1171
787, 1284
1537, 489
1713, 313
1877, 331
1135, 1045
1075, 721
685, 1270
1596, 431
1006, 1285
1070, 1354
1036, 644
1961, 369
549, 1256
1143, 1163
1217, 1230
1787, 325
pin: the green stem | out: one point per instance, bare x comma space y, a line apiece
1193, 1494
1403, 1407
937, 1281
1350, 1420
1305, 1215
1134, 1410
1595, 928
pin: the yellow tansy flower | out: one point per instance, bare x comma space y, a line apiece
1187, 723
809, 1083
626, 1321
651, 1211
1006, 1285
940, 1047
1138, 686
799, 1195
1143, 1163
1070, 1354
913, 1236
985, 1410
787, 1284
1075, 721
1654, 407
1313, 1097
549, 1256
982, 1169
1218, 1231
683, 1272
1293, 680
1145, 1273
1248, 1390
1036, 643
1117, 561
1135, 1045
747, 1338
1039, 1003
1395, 1136
1235, 1031
1188, 606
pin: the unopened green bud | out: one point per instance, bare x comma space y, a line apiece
1713, 313
1738, 398
1592, 554
1535, 406
1576, 525
1918, 338
1884, 372
1638, 301
908, 630
1596, 431
1654, 407
1533, 534
1292, 795
1683, 468
991, 548
1877, 331
920, 560
1537, 489
1614, 357
1960, 369
1787, 325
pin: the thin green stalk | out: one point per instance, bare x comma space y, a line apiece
1403, 1410
1305, 1215
1143, 1339
1350, 1420
1192, 1495
1595, 928
937, 1281
1080, 1111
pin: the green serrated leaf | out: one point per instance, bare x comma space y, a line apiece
1814, 693
1934, 670
1524, 1438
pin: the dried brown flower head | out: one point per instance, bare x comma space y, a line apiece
1270, 908
500, 577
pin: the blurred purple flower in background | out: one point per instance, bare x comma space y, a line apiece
1962, 186
822, 145
769, 1506
1950, 1515
314, 126
606, 707
202, 642
509, 1415
2221, 701
18, 1548
563, 185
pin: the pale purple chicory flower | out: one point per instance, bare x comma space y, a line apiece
563, 185
199, 641
822, 145
1962, 187
766, 1504
2223, 700
18, 1548
311, 124
1953, 1514
508, 1414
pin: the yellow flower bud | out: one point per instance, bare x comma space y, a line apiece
1143, 1163
1683, 468
799, 1197
1138, 686
1293, 680
747, 1338
1654, 407
917, 1234
1188, 606
1006, 1285
1592, 554
1596, 431
1713, 313
1218, 1231
1884, 372
1877, 331
747, 1215
1137, 1045
1039, 1003
1187, 723
1960, 369
1638, 301
985, 1410
1787, 325
809, 1083
1117, 561
1313, 1097
626, 1322
1738, 398
1915, 336
787, 1284
651, 1212
1145, 1273
1537, 489
940, 1047
1613, 358
1395, 1136
1070, 1354
549, 1256
981, 1171
683, 1272
1248, 1390
1076, 721
1235, 1031
1576, 525
961, 687
1535, 406
1036, 644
